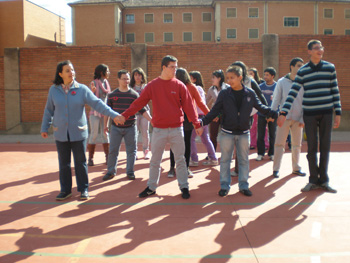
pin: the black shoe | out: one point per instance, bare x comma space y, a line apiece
108, 176
185, 193
147, 192
90, 162
246, 192
223, 192
327, 188
84, 195
131, 176
299, 172
276, 174
62, 196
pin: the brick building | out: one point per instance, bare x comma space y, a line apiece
203, 21
25, 24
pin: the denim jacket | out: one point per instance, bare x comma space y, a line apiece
66, 112
236, 121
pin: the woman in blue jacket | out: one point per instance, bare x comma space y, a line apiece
65, 111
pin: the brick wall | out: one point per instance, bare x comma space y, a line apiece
337, 51
2, 96
38, 65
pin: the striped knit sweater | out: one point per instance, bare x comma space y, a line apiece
321, 92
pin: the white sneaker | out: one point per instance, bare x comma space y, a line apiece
190, 174
211, 162
193, 163
146, 154
259, 158
271, 157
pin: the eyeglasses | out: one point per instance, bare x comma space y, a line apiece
318, 48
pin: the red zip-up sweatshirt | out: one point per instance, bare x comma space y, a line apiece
169, 99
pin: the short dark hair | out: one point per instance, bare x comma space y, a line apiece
243, 67
312, 42
183, 76
100, 70
237, 70
294, 61
198, 77
139, 71
167, 59
270, 70
219, 74
58, 80
122, 72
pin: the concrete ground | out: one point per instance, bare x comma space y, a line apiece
277, 224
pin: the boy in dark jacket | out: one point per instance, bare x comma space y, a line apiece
235, 104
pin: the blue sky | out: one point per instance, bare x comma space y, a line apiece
61, 8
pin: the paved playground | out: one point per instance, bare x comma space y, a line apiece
277, 224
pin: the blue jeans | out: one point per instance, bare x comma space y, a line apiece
116, 134
64, 150
227, 144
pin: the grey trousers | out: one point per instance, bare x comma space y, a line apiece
160, 137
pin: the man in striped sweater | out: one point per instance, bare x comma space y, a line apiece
321, 98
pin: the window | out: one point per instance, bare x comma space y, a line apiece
231, 33
187, 36
130, 37
253, 33
148, 18
327, 13
347, 13
168, 37
253, 12
347, 32
231, 12
168, 18
206, 17
149, 37
130, 19
328, 31
187, 17
206, 36
291, 21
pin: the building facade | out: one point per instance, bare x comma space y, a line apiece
25, 24
159, 22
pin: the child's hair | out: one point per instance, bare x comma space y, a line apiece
121, 72
270, 70
198, 77
219, 74
237, 70
182, 75
100, 71
141, 72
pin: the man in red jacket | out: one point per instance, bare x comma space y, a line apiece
170, 99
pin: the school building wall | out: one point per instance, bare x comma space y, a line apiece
37, 68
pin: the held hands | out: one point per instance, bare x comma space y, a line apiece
216, 119
270, 120
120, 119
